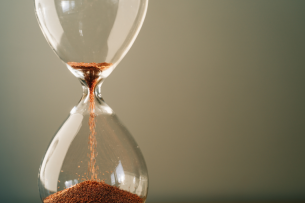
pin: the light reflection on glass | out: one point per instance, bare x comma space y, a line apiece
67, 5
118, 175
70, 183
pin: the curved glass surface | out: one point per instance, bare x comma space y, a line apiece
91, 30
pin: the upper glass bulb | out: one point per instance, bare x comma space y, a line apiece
91, 31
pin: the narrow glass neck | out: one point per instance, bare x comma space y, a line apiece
83, 107
96, 91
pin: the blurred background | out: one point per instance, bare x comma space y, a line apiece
212, 90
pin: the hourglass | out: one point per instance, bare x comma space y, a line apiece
92, 157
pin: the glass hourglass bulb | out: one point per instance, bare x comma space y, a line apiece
92, 157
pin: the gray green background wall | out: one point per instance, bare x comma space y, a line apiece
212, 90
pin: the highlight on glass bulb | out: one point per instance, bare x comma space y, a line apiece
92, 157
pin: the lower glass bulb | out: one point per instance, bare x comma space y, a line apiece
93, 157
